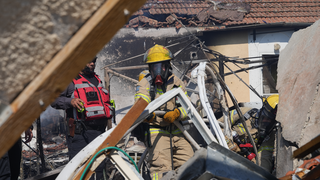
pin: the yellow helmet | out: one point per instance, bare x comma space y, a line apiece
157, 53
270, 105
273, 100
143, 74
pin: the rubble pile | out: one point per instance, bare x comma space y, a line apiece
55, 152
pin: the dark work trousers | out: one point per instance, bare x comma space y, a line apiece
78, 142
10, 162
5, 167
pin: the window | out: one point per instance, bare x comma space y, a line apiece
269, 73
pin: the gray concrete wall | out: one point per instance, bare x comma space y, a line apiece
298, 86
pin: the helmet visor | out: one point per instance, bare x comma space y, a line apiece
157, 69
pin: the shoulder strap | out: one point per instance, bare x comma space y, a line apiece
152, 91
98, 77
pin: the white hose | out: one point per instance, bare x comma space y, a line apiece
214, 126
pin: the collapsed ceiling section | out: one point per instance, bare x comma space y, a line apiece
159, 14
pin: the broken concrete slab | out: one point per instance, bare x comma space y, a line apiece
32, 32
298, 86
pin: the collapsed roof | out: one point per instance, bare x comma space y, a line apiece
223, 14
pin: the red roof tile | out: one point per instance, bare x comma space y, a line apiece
256, 12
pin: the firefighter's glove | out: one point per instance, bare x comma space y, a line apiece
150, 118
171, 116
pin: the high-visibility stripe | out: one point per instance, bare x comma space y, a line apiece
95, 108
241, 128
155, 176
146, 98
265, 148
159, 91
157, 131
79, 86
94, 113
184, 113
231, 117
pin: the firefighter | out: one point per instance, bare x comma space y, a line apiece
168, 148
261, 124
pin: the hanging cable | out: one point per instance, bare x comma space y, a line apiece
100, 152
249, 86
230, 94
130, 58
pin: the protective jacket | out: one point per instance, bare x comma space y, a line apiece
96, 99
162, 132
144, 88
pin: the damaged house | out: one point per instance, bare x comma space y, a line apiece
239, 30
244, 37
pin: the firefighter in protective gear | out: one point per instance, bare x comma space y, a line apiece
162, 130
261, 125
267, 117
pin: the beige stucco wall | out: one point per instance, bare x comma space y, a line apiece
232, 44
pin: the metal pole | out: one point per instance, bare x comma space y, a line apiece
123, 76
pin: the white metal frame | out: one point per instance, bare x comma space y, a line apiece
76, 163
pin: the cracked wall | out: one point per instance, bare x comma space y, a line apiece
31, 33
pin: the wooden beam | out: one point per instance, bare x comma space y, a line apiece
308, 148
67, 63
118, 132
313, 174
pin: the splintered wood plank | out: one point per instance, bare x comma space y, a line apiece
66, 64
116, 135
308, 148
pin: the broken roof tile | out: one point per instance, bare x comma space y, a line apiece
134, 21
178, 25
152, 11
170, 19
260, 11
